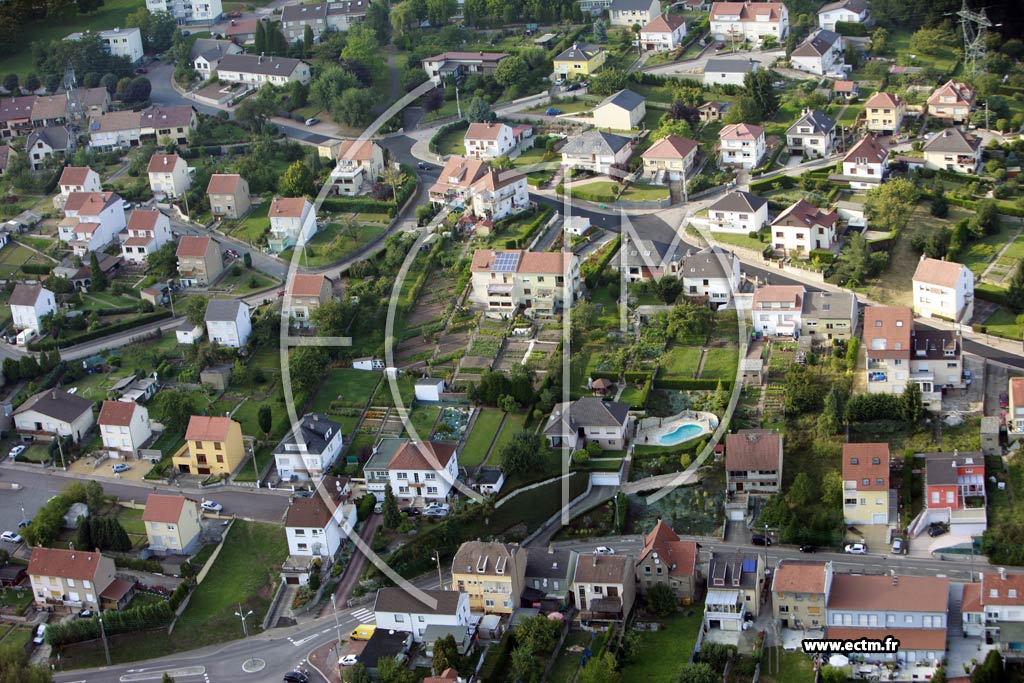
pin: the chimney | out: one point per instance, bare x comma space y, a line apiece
1002, 573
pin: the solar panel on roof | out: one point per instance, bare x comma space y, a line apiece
749, 565
506, 262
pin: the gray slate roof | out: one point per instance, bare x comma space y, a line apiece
595, 142
940, 468
211, 48
815, 118
222, 310
707, 263
829, 304
624, 99
579, 51
315, 429
728, 66
395, 599
816, 44
55, 136
952, 141
647, 251
857, 6
386, 450
630, 4
589, 411
738, 201
268, 66
60, 405
542, 563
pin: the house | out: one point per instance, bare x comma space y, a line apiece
168, 175
489, 140
943, 289
200, 262
548, 579
493, 574
124, 427
91, 102
309, 449
292, 222
399, 609
341, 16
367, 363
375, 469
213, 445
813, 134
1015, 414
777, 310
295, 19
92, 221
174, 123
739, 212
847, 11
953, 150
604, 587
867, 163
649, 258
423, 472
951, 101
78, 179
741, 143
576, 225
753, 21
848, 90
711, 273
459, 64
633, 12
114, 130
16, 116
306, 293
665, 32
883, 113
898, 353
29, 305
429, 389
473, 185
597, 151
80, 276
800, 591
669, 159
667, 560
822, 52
358, 165
711, 112
43, 143
991, 609
910, 609
579, 61
954, 492
53, 412
229, 195
206, 54
71, 578
317, 526
734, 589
259, 70
753, 462
206, 11
574, 424
385, 645
728, 71
148, 231
624, 110
172, 523
241, 31
802, 228
227, 322
117, 42
489, 480
828, 316
867, 496
540, 282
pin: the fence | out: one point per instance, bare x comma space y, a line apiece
275, 604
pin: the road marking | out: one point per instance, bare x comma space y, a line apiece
299, 642
364, 616
157, 675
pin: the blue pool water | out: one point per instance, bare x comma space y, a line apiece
682, 433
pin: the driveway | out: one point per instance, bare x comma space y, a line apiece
691, 66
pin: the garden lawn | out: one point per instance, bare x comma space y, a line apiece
247, 281
794, 667
452, 142
254, 225
406, 389
18, 637
479, 440
661, 654
720, 364
568, 662
423, 418
16, 255
331, 243
1003, 323
536, 505
979, 253
246, 471
513, 424
131, 520
351, 388
738, 240
681, 361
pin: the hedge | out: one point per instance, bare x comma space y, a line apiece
444, 130
357, 205
692, 384
782, 182
179, 594
535, 225
637, 376
136, 619
1003, 208
37, 268
990, 293
105, 331
851, 28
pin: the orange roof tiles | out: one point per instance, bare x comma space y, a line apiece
867, 462
117, 413
206, 428
932, 271
190, 245
163, 508
68, 564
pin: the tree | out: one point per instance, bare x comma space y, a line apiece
394, 177
96, 276
308, 40
743, 110
446, 655
14, 667
356, 674
600, 31
522, 454
832, 488
354, 107
832, 674
266, 418
672, 126
440, 11
859, 263
911, 404
608, 81
804, 390
390, 670
392, 515
194, 310
890, 204
109, 81
538, 635
986, 219
166, 678
523, 666
479, 110
600, 670
138, 90
991, 670
801, 491
32, 83
261, 38
512, 72
94, 496
1014, 292
699, 672
831, 419
930, 41
10, 83
297, 181
661, 600
758, 84
83, 536
361, 45
937, 243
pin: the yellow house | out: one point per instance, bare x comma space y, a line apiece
866, 496
492, 574
213, 445
580, 60
172, 523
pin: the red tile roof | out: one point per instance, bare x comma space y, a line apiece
803, 214
865, 592
893, 324
670, 147
206, 428
484, 131
163, 508
143, 219
190, 245
869, 147
89, 203
790, 294
747, 11
864, 468
287, 207
933, 271
223, 183
883, 100
307, 285
753, 449
996, 590
910, 638
1016, 391
679, 556
800, 576
163, 163
68, 564
665, 23
741, 131
117, 413
356, 150
74, 175
421, 456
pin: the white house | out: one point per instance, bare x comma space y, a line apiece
741, 144
29, 305
472, 184
124, 427
622, 111
540, 282
849, 11
397, 609
309, 450
54, 412
148, 230
739, 212
79, 179
201, 12
712, 273
574, 424
317, 526
118, 42
820, 53
227, 322
358, 165
866, 163
777, 309
631, 12
943, 289
666, 32
429, 389
168, 175
259, 70
728, 71
292, 222
187, 333
753, 21
803, 228
953, 150
597, 151
813, 134
422, 472
670, 158
488, 140
206, 54
92, 220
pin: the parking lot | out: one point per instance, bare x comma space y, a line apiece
21, 504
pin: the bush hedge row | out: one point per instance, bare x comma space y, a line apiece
137, 619
782, 182
444, 130
1004, 208
692, 384
105, 331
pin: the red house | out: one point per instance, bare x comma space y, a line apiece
952, 478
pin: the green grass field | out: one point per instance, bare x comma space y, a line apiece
513, 424
16, 255
332, 243
794, 667
254, 225
452, 142
423, 418
349, 387
681, 361
406, 390
661, 654
1003, 323
247, 281
720, 364
479, 440
738, 240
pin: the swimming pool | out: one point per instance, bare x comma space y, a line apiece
683, 432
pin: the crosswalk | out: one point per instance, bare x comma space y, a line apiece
364, 616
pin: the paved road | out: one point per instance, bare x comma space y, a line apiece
764, 57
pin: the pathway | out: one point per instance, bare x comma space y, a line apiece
995, 260
490, 446
350, 579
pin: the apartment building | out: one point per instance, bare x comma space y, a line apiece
993, 609
753, 462
492, 574
188, 11
752, 21
118, 42
69, 578
540, 282
734, 589
943, 289
867, 496
199, 261
800, 592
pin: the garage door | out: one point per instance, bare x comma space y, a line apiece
879, 518
292, 580
737, 515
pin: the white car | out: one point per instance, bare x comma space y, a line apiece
348, 660
210, 506
10, 537
17, 450
40, 634
856, 549
604, 550
436, 512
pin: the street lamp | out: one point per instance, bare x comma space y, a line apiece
245, 630
337, 627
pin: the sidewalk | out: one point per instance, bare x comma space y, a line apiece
354, 570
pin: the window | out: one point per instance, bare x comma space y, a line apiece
400, 618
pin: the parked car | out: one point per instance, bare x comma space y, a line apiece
552, 111
17, 450
424, 166
856, 549
1004, 400
411, 511
436, 512
296, 677
120, 467
125, 205
572, 87
937, 529
40, 634
559, 81
362, 632
86, 614
760, 539
24, 523
604, 550
210, 506
142, 70
234, 15
312, 121
378, 508
348, 660
899, 546
10, 537
808, 548
968, 377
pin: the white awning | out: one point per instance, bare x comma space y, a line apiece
721, 597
